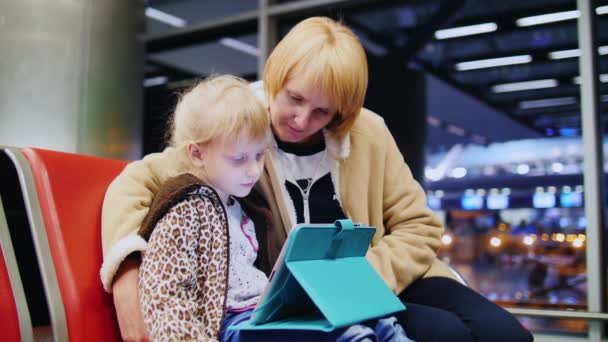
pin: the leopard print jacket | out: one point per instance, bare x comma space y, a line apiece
183, 277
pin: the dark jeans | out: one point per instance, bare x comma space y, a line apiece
441, 309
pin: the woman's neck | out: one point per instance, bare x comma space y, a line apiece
301, 148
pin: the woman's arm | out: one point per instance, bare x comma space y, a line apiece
126, 302
413, 232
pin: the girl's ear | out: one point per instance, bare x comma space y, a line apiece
197, 155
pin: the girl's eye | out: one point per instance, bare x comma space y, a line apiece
259, 156
239, 160
323, 111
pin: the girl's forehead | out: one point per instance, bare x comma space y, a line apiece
241, 141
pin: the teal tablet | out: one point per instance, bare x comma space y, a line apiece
322, 281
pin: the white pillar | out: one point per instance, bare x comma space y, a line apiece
71, 76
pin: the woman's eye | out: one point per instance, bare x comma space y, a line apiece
239, 159
322, 111
295, 99
259, 156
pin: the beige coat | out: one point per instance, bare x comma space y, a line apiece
372, 182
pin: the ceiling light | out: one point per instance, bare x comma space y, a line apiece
465, 30
564, 54
558, 101
493, 62
164, 17
155, 81
603, 79
602, 50
528, 85
240, 46
547, 18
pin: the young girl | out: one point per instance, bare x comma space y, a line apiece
199, 263
201, 271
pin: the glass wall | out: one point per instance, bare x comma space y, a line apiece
511, 194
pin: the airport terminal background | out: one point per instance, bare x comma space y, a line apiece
499, 107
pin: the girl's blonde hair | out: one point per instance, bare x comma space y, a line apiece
327, 55
219, 105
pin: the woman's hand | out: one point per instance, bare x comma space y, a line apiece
126, 302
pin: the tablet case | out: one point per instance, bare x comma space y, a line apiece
323, 282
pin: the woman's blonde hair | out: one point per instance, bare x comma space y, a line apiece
218, 105
325, 54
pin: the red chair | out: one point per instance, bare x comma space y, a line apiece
15, 323
67, 192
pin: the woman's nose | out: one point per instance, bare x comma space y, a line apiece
301, 118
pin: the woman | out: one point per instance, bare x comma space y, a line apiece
331, 159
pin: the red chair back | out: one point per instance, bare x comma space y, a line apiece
70, 190
9, 324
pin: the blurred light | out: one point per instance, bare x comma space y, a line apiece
432, 174
523, 169
240, 46
506, 191
570, 237
155, 81
560, 237
479, 139
582, 237
456, 130
547, 18
557, 167
480, 192
439, 193
502, 227
558, 101
603, 79
495, 242
446, 240
577, 243
164, 17
564, 54
489, 171
493, 62
568, 132
578, 188
545, 237
549, 131
601, 10
459, 172
465, 30
552, 189
561, 54
528, 240
433, 121
528, 85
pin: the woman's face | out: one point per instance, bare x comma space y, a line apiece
299, 111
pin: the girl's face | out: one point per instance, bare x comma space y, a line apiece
232, 165
299, 111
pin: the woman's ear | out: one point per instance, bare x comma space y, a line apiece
197, 154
